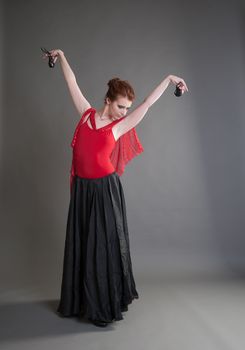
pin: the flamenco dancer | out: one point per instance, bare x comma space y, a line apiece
97, 280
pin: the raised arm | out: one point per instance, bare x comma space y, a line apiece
133, 118
80, 102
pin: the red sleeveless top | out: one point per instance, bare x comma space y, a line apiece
96, 153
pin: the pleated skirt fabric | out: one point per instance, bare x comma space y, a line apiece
97, 280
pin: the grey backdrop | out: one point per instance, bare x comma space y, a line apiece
185, 194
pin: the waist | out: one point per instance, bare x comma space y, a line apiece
114, 173
92, 171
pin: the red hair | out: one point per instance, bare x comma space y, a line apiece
119, 87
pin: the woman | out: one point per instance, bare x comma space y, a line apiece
98, 281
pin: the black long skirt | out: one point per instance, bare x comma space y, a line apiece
97, 280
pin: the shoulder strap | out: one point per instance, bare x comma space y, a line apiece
92, 119
89, 110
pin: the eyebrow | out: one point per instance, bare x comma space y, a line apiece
124, 106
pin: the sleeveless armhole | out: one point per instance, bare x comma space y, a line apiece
72, 171
89, 110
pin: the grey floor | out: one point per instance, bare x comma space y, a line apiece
183, 314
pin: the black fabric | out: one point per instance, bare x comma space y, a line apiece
97, 280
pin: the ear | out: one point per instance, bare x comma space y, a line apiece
107, 101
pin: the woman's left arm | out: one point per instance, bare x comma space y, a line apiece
133, 118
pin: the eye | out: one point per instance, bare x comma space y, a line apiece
123, 107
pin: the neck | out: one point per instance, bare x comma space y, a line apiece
104, 113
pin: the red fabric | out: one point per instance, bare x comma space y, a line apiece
95, 151
127, 147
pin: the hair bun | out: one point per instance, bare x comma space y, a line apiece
117, 87
113, 81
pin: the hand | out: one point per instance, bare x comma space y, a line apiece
54, 54
179, 82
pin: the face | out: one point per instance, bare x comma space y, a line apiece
119, 107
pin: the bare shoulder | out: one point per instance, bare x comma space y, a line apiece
85, 107
120, 128
130, 121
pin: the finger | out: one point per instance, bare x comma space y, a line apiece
184, 83
186, 86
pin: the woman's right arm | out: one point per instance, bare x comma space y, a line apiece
80, 102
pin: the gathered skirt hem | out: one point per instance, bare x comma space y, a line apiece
97, 280
91, 316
